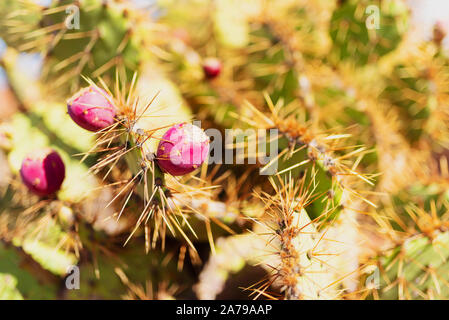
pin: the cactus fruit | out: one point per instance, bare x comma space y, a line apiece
212, 67
183, 148
439, 32
43, 172
92, 109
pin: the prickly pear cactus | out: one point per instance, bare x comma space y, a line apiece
208, 149
361, 40
89, 37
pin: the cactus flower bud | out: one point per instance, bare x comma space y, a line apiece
212, 67
183, 148
92, 109
43, 171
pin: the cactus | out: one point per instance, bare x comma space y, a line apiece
351, 204
109, 36
423, 280
413, 267
423, 74
355, 42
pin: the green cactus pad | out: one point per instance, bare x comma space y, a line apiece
354, 42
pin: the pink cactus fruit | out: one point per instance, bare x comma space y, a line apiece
43, 171
183, 148
440, 31
92, 109
212, 67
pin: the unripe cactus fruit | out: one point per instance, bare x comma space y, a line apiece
92, 109
212, 67
43, 172
183, 148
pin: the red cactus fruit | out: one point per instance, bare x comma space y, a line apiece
92, 109
212, 67
183, 148
43, 171
440, 31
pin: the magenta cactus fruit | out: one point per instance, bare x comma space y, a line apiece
212, 67
92, 109
183, 148
43, 171
440, 31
